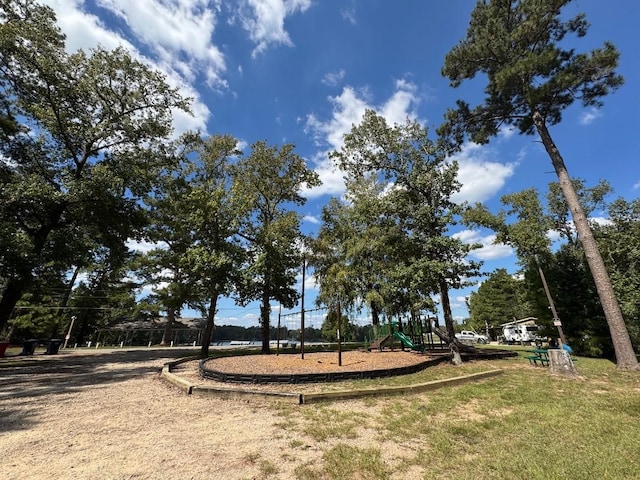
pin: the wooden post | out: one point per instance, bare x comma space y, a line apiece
278, 331
304, 267
68, 336
339, 335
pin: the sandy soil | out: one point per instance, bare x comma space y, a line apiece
107, 414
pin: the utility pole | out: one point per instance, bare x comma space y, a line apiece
556, 320
304, 268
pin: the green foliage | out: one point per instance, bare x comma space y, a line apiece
524, 225
620, 245
519, 47
591, 199
270, 180
499, 299
195, 216
354, 251
330, 327
87, 135
390, 244
531, 79
575, 298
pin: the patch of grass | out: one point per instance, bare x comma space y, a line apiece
251, 457
525, 423
347, 462
308, 472
297, 443
324, 423
268, 469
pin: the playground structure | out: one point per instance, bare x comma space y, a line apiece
417, 334
426, 341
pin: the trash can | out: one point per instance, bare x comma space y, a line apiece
3, 348
29, 346
53, 346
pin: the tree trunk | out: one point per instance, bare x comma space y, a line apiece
265, 311
10, 297
208, 330
65, 301
375, 316
16, 286
456, 358
166, 334
560, 363
625, 356
83, 318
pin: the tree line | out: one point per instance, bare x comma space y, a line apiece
90, 162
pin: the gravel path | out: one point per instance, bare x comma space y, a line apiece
107, 414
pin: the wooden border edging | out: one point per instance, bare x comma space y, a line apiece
175, 379
231, 393
420, 387
327, 377
305, 398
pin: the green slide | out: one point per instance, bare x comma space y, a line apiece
404, 339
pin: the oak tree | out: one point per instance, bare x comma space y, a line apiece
83, 135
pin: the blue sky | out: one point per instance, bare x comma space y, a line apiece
304, 71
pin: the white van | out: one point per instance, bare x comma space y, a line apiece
520, 333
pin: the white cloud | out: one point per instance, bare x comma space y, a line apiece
490, 250
310, 285
311, 219
602, 221
334, 78
348, 110
349, 14
177, 38
553, 236
84, 30
179, 33
264, 21
481, 178
143, 246
402, 103
506, 132
461, 299
589, 116
636, 186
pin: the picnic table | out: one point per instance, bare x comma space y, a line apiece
539, 355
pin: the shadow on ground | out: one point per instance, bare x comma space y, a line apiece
67, 372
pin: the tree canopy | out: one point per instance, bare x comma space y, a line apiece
271, 178
416, 212
84, 136
530, 79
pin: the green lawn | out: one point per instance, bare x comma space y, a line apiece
525, 424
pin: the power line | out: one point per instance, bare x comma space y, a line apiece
69, 308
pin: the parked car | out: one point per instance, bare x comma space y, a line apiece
471, 336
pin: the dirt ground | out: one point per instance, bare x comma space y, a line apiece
107, 414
